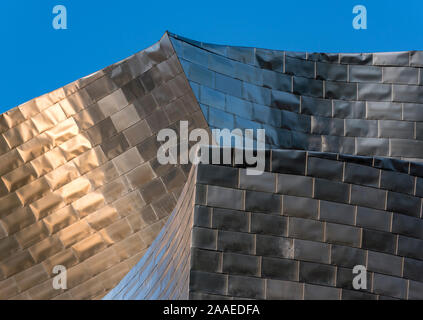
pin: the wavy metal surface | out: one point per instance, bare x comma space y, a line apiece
80, 182
163, 271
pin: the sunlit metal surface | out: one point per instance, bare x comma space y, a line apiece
80, 183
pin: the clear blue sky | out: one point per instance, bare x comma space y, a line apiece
37, 59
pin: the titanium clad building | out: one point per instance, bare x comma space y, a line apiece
81, 185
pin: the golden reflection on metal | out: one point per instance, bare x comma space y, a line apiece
74, 165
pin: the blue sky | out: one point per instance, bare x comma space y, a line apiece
37, 58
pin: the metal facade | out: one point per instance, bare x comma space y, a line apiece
81, 185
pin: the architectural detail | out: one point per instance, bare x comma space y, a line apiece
295, 232
81, 185
80, 182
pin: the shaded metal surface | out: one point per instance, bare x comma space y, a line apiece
361, 104
290, 233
